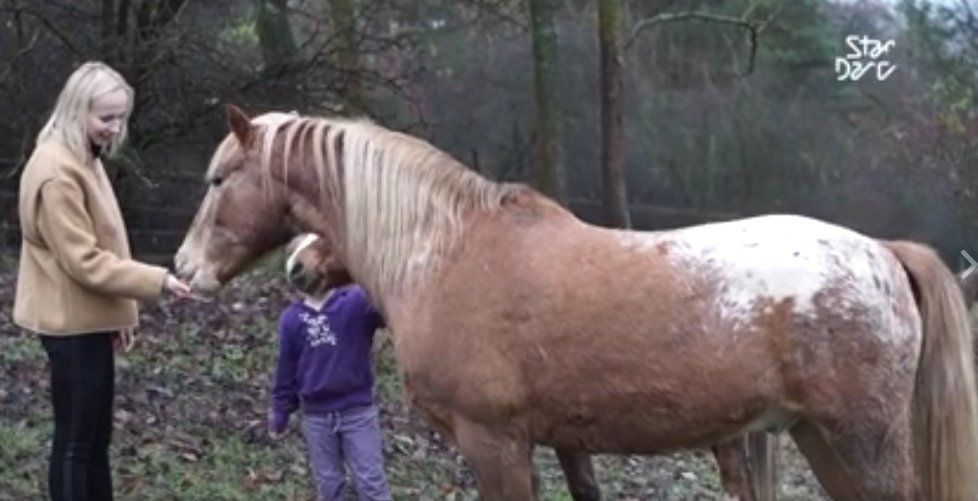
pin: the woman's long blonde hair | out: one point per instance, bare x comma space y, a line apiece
68, 120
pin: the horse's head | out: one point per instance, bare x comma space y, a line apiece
244, 213
313, 265
387, 204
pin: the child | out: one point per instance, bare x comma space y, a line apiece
325, 343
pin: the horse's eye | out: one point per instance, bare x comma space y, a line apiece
216, 181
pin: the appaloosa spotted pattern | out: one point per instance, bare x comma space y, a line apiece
776, 258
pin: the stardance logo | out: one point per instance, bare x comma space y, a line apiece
866, 57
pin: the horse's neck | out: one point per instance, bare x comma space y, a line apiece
521, 209
524, 217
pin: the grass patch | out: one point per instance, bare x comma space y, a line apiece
21, 459
21, 348
227, 468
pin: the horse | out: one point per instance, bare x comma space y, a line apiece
515, 324
745, 463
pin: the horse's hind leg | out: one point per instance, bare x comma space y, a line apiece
579, 473
858, 461
503, 464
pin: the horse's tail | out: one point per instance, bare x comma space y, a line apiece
945, 402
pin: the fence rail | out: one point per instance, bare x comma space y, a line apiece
649, 216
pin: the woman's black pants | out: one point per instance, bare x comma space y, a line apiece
82, 388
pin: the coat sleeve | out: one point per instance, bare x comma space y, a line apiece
66, 227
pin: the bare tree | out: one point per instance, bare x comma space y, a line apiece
614, 198
343, 14
548, 173
275, 34
23, 42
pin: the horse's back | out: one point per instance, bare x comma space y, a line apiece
810, 263
819, 292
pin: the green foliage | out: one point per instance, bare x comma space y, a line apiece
388, 383
243, 32
274, 29
957, 99
800, 35
23, 348
19, 459
229, 469
943, 42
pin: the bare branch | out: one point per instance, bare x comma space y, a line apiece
753, 26
687, 16
20, 53
498, 11
54, 30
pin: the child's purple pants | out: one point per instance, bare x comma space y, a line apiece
351, 438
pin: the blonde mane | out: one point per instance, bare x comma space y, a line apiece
402, 201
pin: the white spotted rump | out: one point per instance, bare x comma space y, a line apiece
776, 258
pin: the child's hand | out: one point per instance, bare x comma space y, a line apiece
277, 424
275, 433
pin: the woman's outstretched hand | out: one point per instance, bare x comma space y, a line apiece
180, 289
177, 287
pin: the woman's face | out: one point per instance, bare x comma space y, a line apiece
107, 116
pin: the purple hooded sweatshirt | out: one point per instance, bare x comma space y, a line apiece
324, 355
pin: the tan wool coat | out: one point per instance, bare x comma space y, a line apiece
75, 273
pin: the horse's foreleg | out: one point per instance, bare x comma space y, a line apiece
748, 467
579, 473
762, 457
734, 473
503, 464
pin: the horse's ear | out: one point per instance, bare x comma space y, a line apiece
240, 125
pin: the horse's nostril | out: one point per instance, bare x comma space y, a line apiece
296, 269
182, 265
179, 263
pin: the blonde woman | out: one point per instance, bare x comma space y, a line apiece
77, 285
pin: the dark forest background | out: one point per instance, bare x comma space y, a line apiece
648, 113
726, 107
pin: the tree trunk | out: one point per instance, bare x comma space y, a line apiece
275, 34
122, 18
107, 47
122, 29
29, 126
614, 197
343, 15
152, 16
549, 169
